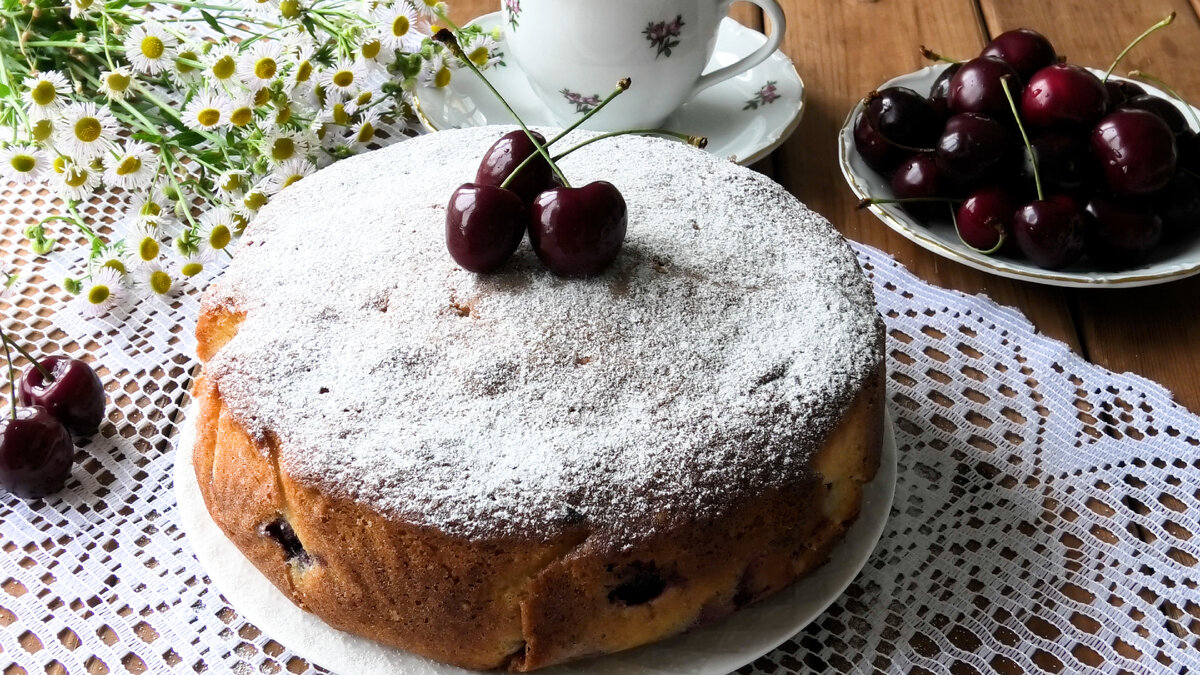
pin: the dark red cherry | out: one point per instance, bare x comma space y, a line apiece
878, 152
1121, 234
578, 232
1065, 162
1050, 232
484, 226
940, 91
984, 219
1189, 151
976, 88
1063, 95
1136, 150
1120, 91
507, 154
919, 178
36, 453
1179, 207
75, 396
972, 148
1161, 107
903, 116
1027, 51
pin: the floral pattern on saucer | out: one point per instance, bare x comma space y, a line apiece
664, 35
765, 96
513, 8
583, 104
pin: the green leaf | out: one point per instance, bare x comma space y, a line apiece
4, 90
147, 137
211, 21
186, 139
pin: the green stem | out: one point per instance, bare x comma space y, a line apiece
1161, 24
697, 141
20, 350
1037, 178
447, 38
78, 220
12, 381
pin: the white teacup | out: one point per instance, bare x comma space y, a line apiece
575, 51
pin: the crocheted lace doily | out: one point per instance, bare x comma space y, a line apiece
1045, 514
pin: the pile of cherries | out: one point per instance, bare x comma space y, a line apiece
1062, 165
58, 396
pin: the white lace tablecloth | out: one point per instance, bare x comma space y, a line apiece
1046, 514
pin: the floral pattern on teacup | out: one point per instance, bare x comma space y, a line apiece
583, 104
514, 12
664, 35
765, 96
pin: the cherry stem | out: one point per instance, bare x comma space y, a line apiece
621, 87
1161, 24
45, 372
447, 38
694, 141
934, 56
997, 247
871, 201
12, 380
1037, 177
1161, 84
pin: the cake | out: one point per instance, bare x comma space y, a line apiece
515, 470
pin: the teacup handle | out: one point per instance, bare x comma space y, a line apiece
774, 12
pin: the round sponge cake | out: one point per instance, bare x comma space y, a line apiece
515, 470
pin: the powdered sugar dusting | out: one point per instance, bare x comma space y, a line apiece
706, 364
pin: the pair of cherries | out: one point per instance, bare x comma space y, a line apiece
59, 396
575, 232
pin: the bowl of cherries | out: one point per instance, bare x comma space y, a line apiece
1020, 164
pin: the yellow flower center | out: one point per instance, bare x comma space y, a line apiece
98, 294
118, 81
60, 164
442, 78
153, 47
232, 182
364, 97
42, 130
23, 163
224, 67
183, 62
76, 177
264, 68
114, 264
88, 129
343, 78
148, 249
290, 179
371, 49
400, 26
282, 149
242, 116
191, 269
129, 165
83, 4
262, 96
339, 114
219, 237
365, 133
283, 114
151, 209
479, 56
43, 93
290, 9
160, 282
255, 201
304, 71
239, 223
209, 117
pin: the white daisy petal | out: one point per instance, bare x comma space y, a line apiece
150, 48
46, 93
133, 168
259, 66
23, 164
207, 111
85, 130
103, 292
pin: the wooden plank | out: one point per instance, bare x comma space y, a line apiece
1150, 331
845, 49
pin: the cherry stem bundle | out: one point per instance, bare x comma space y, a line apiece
1161, 24
1037, 178
20, 350
447, 38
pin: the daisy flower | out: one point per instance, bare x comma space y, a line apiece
430, 9
150, 48
376, 58
101, 294
115, 83
133, 168
113, 257
480, 49
344, 78
194, 264
23, 164
436, 72
397, 27
207, 111
143, 240
43, 130
150, 205
362, 133
46, 93
157, 281
82, 8
259, 66
217, 227
263, 8
222, 64
280, 146
292, 171
241, 110
85, 130
371, 94
256, 197
336, 113
187, 68
231, 183
75, 181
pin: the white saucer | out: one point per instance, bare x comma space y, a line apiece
738, 124
712, 650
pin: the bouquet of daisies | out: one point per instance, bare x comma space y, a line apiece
201, 110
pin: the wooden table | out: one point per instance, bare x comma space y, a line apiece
844, 49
